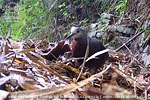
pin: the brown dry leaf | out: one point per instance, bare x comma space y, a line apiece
128, 77
118, 92
20, 72
23, 64
25, 83
54, 92
6, 49
116, 54
22, 81
18, 60
39, 57
28, 86
39, 43
71, 68
35, 60
42, 38
27, 50
92, 91
141, 80
43, 34
15, 45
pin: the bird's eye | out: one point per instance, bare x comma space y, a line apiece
77, 31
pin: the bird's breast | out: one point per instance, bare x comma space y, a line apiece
78, 49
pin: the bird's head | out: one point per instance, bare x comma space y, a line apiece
76, 33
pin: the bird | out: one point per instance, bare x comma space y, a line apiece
79, 46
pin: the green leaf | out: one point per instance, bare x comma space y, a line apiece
65, 13
118, 7
22, 15
64, 4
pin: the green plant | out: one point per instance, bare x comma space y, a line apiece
147, 32
105, 27
63, 8
121, 7
29, 19
84, 21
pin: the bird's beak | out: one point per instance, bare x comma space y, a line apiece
69, 36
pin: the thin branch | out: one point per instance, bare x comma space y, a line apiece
86, 55
135, 36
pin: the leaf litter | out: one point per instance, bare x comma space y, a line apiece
30, 71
